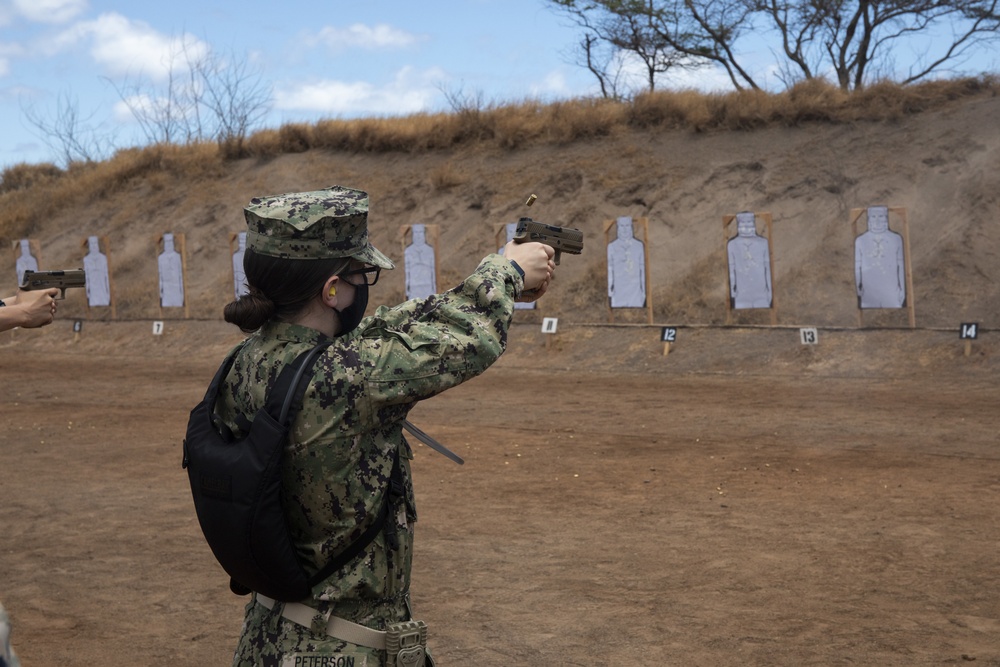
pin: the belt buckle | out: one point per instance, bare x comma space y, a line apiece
405, 642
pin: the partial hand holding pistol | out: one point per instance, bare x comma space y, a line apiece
561, 239
36, 280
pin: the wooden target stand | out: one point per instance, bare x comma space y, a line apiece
900, 211
642, 223
768, 219
432, 234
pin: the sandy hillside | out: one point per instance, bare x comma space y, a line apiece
941, 166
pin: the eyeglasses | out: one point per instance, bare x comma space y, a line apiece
370, 274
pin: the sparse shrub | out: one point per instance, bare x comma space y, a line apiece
583, 119
446, 176
295, 138
514, 126
263, 144
813, 100
746, 110
234, 148
22, 176
668, 110
92, 180
334, 135
21, 210
386, 135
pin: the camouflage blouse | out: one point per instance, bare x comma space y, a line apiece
343, 440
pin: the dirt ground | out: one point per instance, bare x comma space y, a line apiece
803, 507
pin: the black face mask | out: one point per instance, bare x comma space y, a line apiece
350, 317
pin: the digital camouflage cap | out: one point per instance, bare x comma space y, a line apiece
323, 224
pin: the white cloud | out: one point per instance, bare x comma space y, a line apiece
123, 46
8, 50
409, 92
11, 49
709, 79
361, 36
49, 11
554, 84
122, 111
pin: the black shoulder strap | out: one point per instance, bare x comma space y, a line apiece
285, 397
292, 388
213, 388
395, 487
283, 401
288, 388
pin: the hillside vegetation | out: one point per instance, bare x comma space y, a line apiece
683, 160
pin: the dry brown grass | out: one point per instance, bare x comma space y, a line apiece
446, 176
23, 176
30, 191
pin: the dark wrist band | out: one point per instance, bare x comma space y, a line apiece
519, 269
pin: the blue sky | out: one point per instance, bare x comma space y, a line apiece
353, 59
377, 57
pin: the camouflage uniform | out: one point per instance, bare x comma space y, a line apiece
343, 442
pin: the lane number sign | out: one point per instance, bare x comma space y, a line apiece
968, 331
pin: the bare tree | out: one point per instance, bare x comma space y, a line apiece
601, 64
71, 136
204, 97
853, 39
235, 96
461, 102
169, 112
711, 29
619, 31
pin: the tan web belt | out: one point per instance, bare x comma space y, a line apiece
336, 627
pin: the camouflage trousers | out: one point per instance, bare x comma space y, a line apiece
268, 640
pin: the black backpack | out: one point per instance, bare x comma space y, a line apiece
236, 485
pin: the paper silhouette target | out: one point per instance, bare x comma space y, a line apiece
879, 266
98, 271
26, 254
171, 265
420, 261
749, 265
883, 277
626, 267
